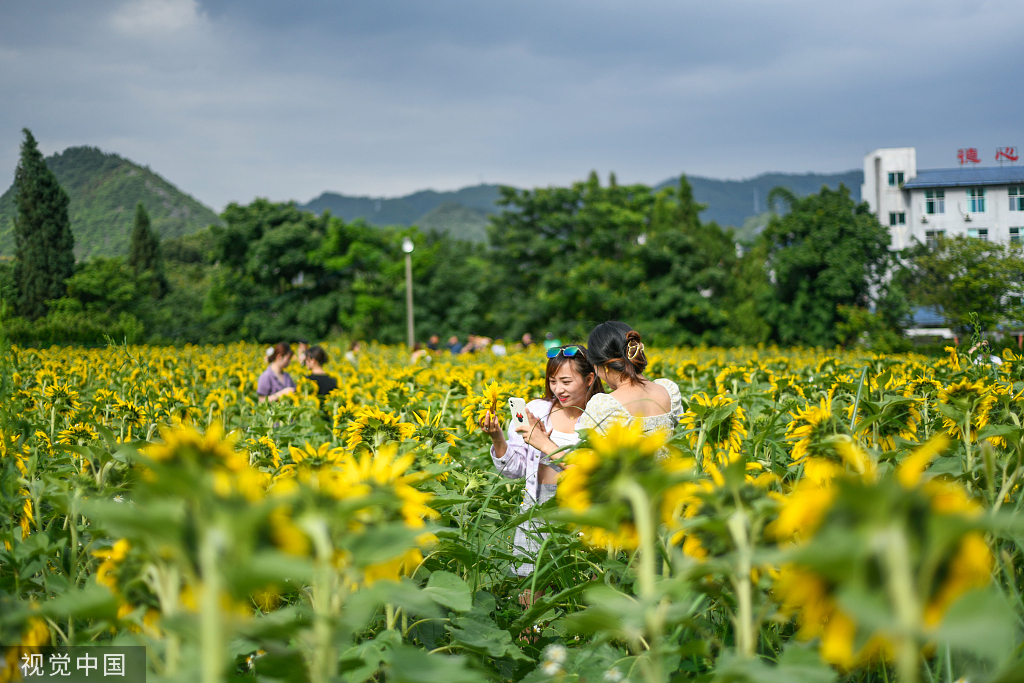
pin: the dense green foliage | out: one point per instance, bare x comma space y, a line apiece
103, 190
558, 259
464, 213
44, 245
826, 252
963, 276
144, 252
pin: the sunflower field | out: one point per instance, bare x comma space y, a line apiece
814, 517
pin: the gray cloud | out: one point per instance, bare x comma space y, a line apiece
231, 99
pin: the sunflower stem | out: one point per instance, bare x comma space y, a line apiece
646, 576
967, 443
900, 584
701, 437
211, 631
745, 636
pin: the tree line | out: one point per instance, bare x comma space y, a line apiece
558, 259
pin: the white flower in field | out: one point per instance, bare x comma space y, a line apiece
613, 675
118, 499
550, 668
555, 653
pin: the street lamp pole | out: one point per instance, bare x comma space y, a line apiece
407, 247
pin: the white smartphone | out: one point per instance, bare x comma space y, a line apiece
517, 406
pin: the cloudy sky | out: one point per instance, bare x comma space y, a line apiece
233, 99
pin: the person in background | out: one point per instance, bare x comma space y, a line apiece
434, 343
353, 352
418, 352
550, 342
527, 340
275, 383
498, 348
453, 345
316, 359
301, 347
984, 356
476, 343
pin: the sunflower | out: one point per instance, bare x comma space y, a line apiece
721, 423
113, 557
130, 414
480, 405
972, 399
344, 413
812, 430
211, 450
60, 398
730, 378
263, 451
430, 432
591, 476
78, 434
918, 507
898, 419
373, 427
390, 471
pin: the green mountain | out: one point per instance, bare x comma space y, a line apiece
462, 222
733, 202
463, 213
104, 189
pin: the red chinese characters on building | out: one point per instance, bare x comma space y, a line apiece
969, 154
1007, 153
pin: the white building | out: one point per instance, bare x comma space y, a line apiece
986, 202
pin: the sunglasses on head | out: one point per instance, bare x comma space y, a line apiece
567, 351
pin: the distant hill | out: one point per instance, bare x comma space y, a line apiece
463, 213
462, 222
403, 210
104, 189
732, 202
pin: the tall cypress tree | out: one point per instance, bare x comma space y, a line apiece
144, 253
44, 244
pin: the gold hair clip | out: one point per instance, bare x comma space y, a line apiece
633, 349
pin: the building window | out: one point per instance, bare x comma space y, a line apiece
935, 201
932, 237
897, 218
1016, 197
978, 233
976, 200
1014, 235
896, 179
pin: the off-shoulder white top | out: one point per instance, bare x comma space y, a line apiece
604, 409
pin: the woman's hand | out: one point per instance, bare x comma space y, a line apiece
278, 395
535, 434
491, 426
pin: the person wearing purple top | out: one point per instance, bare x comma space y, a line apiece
274, 383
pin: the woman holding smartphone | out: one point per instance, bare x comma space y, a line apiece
570, 381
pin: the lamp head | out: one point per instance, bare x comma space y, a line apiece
407, 245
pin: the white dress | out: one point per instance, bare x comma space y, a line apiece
604, 409
522, 461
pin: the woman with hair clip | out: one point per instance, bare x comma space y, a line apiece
617, 354
275, 383
551, 425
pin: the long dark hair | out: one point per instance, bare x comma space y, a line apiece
617, 346
581, 364
280, 349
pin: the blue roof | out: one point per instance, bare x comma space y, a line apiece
927, 316
959, 177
